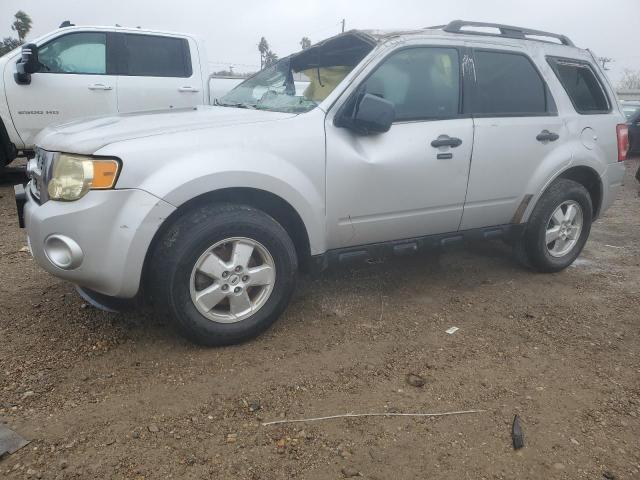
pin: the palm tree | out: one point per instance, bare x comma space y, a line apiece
270, 58
22, 25
305, 43
263, 48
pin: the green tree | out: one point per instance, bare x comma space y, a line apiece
21, 25
7, 44
305, 43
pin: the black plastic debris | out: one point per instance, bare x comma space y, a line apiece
10, 441
516, 433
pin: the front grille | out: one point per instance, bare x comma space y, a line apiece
40, 173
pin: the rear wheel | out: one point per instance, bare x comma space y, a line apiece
558, 228
224, 273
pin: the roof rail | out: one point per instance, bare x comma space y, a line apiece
505, 31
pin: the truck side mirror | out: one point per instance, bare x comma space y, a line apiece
29, 63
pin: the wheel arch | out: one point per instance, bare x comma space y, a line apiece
275, 206
582, 174
589, 179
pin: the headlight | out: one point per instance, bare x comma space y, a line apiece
72, 176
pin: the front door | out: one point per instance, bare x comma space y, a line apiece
159, 73
73, 82
410, 181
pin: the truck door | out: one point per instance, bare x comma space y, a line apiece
158, 73
74, 81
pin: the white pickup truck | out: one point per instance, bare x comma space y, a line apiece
95, 71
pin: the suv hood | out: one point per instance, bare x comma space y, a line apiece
86, 136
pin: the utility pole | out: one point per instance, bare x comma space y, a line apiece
343, 24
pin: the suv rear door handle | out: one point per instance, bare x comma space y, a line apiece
547, 136
187, 89
446, 141
99, 86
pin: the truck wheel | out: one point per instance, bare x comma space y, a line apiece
558, 228
224, 273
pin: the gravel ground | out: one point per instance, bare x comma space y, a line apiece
120, 396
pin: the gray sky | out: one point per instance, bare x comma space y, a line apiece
232, 29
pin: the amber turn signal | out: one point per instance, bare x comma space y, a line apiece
104, 173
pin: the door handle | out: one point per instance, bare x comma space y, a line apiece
188, 89
99, 86
547, 136
446, 141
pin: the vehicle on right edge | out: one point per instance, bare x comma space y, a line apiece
401, 140
631, 110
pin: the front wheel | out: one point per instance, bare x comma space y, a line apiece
225, 273
558, 228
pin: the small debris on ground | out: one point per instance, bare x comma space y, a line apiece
153, 428
415, 380
350, 472
608, 475
516, 433
10, 441
452, 330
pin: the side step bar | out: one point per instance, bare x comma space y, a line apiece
398, 248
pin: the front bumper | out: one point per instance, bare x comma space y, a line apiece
112, 228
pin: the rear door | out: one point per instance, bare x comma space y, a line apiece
516, 126
158, 73
75, 80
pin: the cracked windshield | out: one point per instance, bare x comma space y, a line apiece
279, 89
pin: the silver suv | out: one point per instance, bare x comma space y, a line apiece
368, 143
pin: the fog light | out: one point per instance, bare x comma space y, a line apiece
63, 252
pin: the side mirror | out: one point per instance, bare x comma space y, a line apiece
29, 63
372, 114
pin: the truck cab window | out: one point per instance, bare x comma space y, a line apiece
80, 53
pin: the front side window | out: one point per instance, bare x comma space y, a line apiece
81, 53
153, 56
582, 85
508, 84
422, 83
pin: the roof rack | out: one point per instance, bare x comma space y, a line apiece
507, 31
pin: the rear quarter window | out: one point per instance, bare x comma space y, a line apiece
582, 85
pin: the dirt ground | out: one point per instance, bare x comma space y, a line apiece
121, 396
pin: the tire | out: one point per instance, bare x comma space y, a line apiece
175, 286
533, 251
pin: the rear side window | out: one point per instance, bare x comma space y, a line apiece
582, 85
152, 56
507, 84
